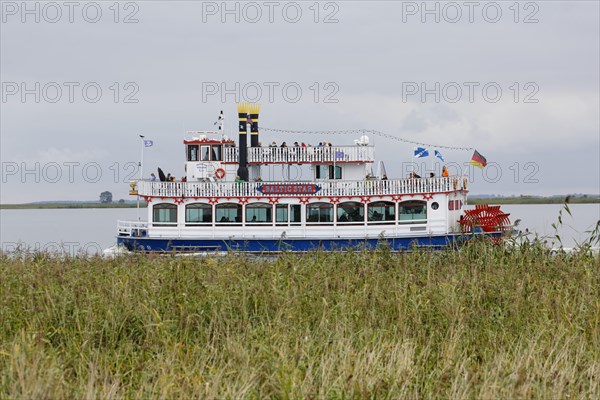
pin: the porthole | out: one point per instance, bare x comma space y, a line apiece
435, 205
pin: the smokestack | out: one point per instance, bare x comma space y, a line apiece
242, 171
254, 109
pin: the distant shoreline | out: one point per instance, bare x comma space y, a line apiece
532, 200
31, 206
472, 200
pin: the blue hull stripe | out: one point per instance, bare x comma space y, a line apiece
269, 245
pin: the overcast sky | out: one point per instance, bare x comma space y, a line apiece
518, 83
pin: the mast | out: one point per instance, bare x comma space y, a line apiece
221, 122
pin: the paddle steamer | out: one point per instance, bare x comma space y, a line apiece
224, 204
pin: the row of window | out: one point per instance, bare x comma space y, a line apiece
379, 212
204, 152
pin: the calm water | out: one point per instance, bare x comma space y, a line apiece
92, 230
538, 219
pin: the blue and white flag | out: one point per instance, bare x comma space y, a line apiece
438, 155
421, 152
148, 143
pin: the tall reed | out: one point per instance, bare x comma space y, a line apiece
483, 322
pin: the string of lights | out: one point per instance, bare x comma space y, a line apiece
365, 131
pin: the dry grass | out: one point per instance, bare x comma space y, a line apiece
485, 322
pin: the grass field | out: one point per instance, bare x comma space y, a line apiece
485, 322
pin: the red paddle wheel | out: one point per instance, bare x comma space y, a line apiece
485, 217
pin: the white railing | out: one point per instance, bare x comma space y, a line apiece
127, 227
328, 188
326, 154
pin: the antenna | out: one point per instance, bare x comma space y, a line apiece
222, 124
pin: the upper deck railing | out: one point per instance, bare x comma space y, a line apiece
327, 188
303, 155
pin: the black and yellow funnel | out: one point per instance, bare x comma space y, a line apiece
243, 109
253, 110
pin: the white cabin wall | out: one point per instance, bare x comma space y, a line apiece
354, 172
454, 215
437, 220
350, 172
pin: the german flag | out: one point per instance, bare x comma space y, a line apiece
478, 160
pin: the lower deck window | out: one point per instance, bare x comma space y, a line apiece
164, 214
351, 212
319, 213
228, 213
412, 212
381, 212
295, 214
198, 214
259, 213
281, 214
288, 214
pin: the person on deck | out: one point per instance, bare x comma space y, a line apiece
445, 172
239, 183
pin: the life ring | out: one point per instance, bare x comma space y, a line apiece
220, 173
455, 183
